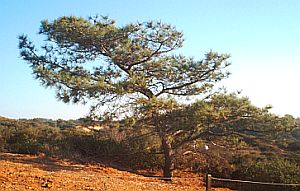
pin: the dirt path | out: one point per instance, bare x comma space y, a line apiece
27, 172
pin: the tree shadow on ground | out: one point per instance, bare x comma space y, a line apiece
53, 164
42, 162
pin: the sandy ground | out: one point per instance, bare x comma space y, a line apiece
27, 172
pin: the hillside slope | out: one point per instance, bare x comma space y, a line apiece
27, 172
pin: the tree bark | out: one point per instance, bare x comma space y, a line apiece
168, 157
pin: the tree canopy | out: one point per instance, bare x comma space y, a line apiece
132, 65
93, 59
221, 115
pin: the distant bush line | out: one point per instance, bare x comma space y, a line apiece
61, 139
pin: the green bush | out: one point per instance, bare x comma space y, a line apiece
33, 140
88, 144
24, 141
278, 170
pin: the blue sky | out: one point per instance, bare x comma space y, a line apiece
262, 36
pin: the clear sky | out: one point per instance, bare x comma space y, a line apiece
262, 37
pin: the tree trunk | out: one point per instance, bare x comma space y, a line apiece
168, 156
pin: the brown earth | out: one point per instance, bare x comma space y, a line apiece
28, 172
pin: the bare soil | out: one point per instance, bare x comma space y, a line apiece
29, 172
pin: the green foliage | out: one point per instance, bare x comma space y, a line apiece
235, 142
134, 71
135, 67
144, 149
135, 61
231, 124
32, 140
35, 136
92, 144
278, 170
228, 120
24, 141
224, 116
206, 162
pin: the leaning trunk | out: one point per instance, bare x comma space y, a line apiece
168, 156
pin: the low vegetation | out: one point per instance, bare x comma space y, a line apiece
258, 146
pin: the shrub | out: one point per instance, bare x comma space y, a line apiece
24, 141
277, 171
33, 140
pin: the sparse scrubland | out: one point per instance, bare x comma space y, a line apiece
259, 146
